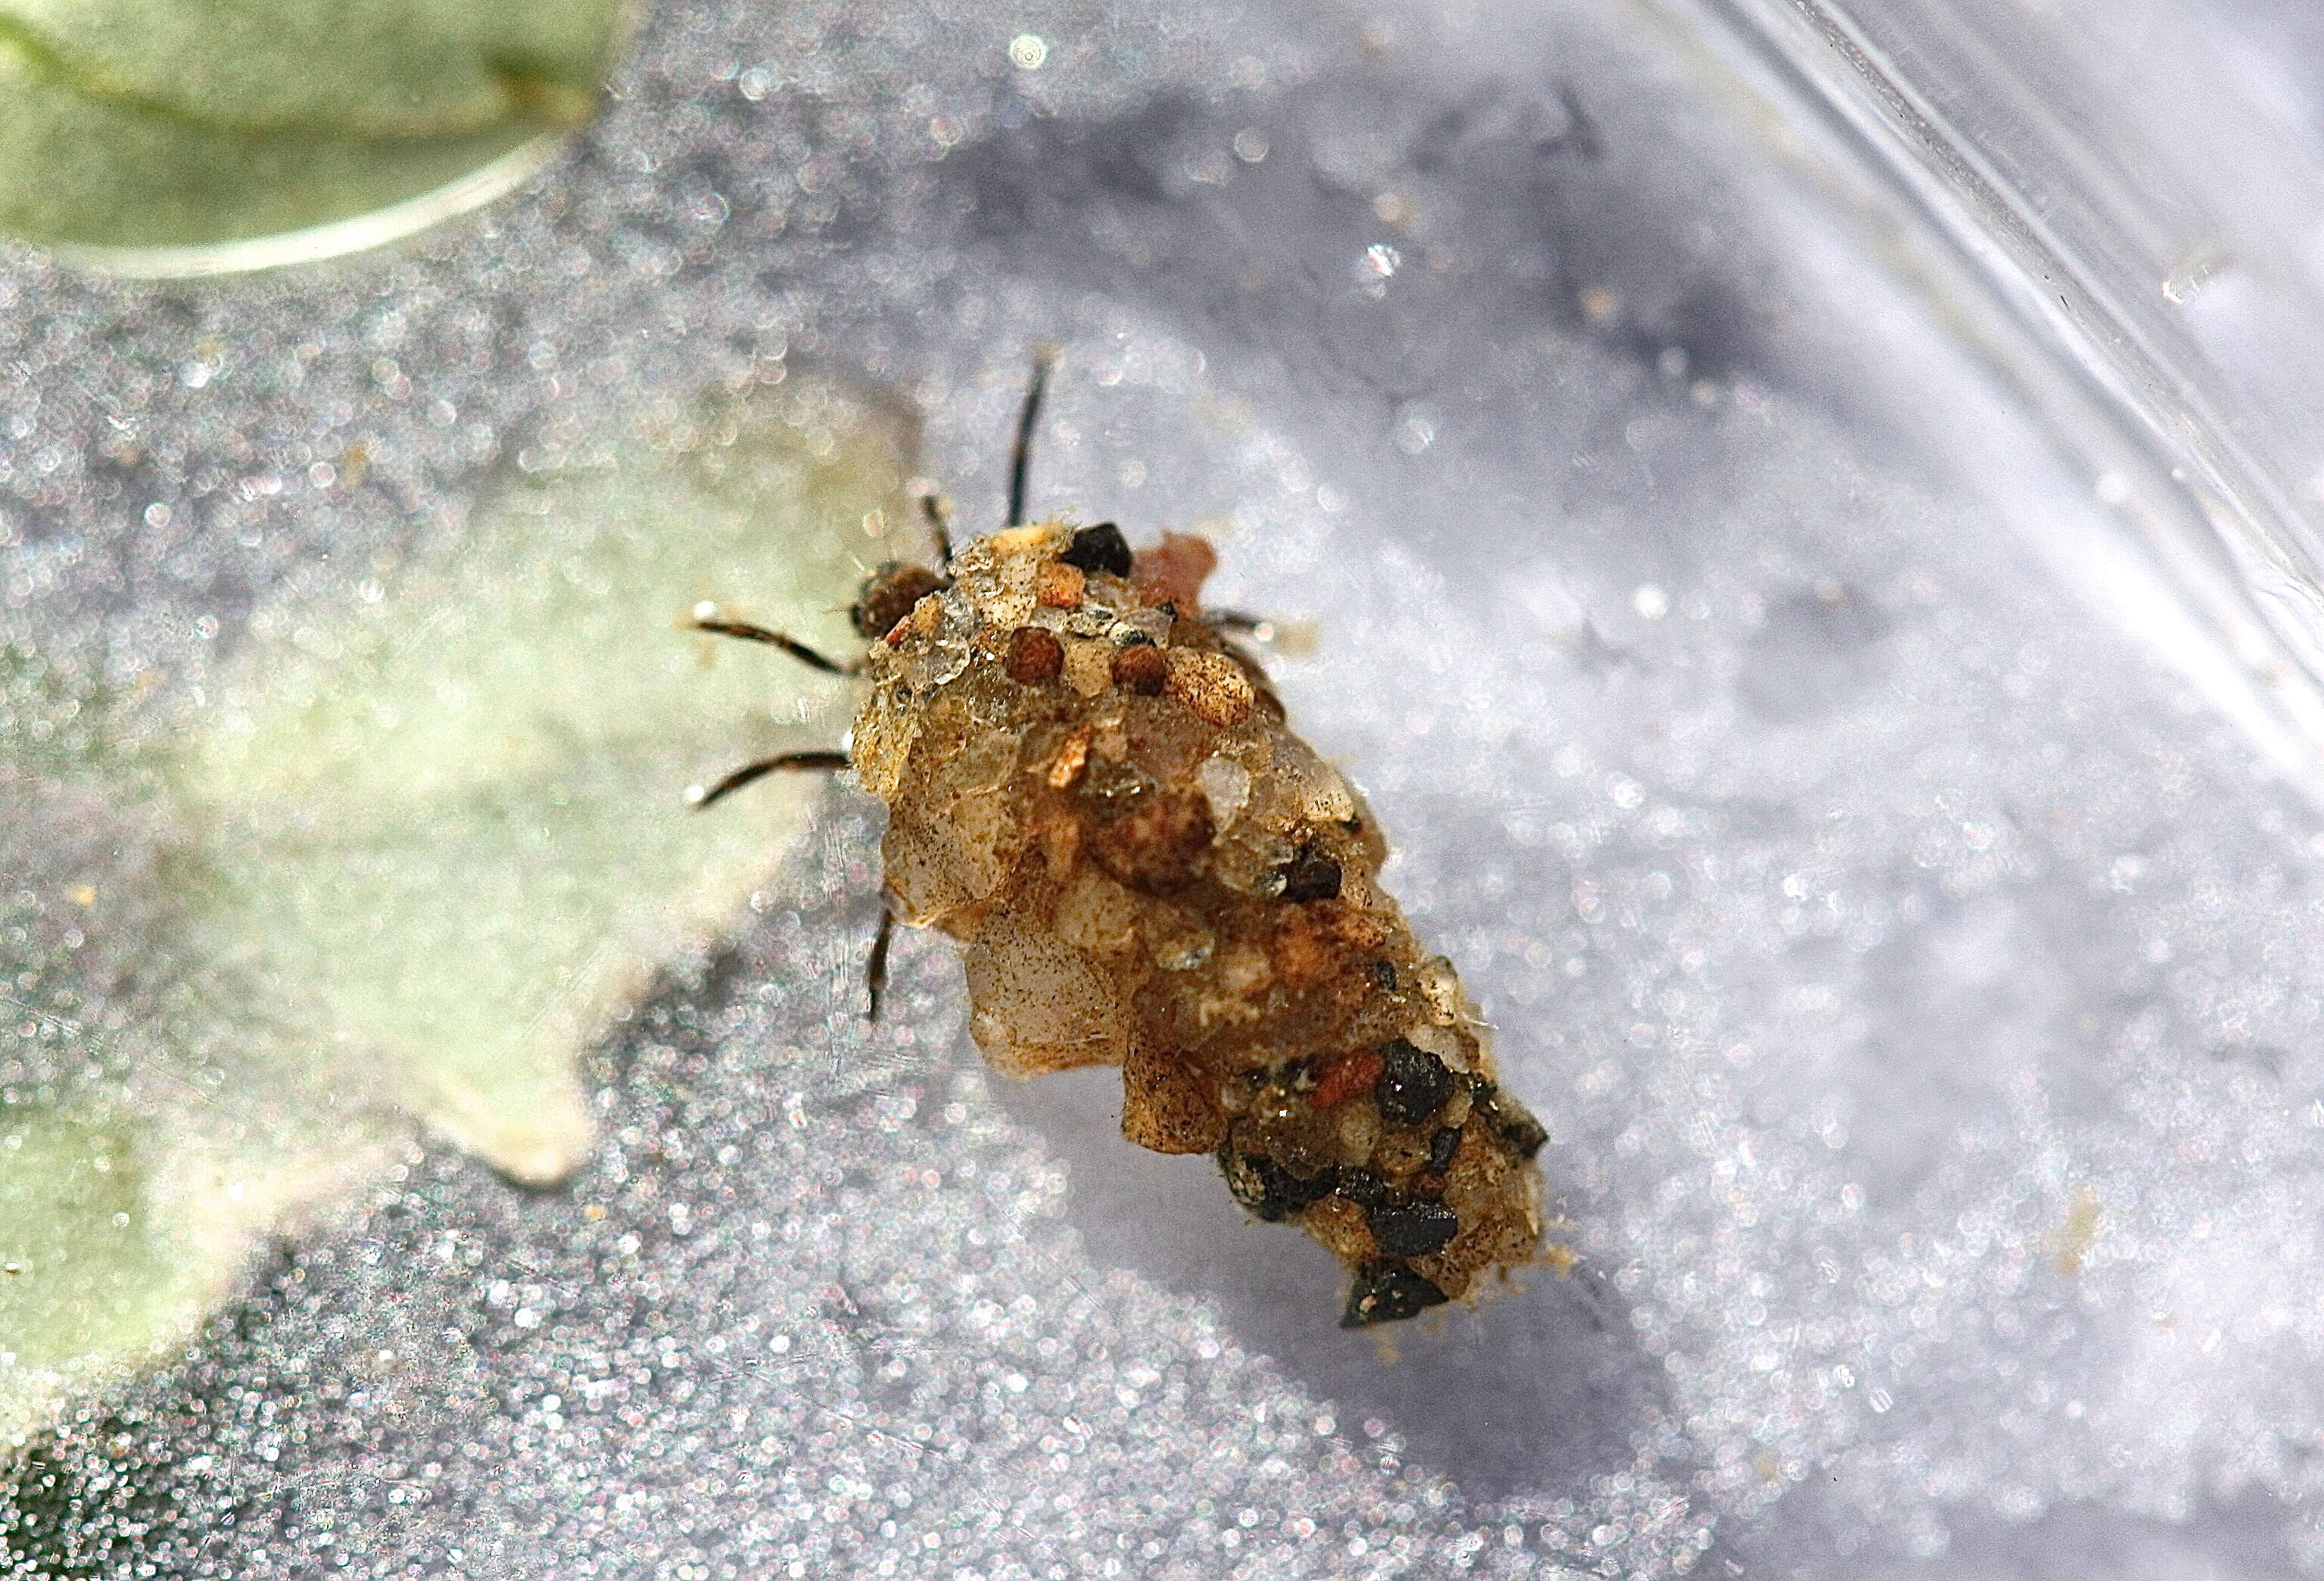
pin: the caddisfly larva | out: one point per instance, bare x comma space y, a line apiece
1096, 794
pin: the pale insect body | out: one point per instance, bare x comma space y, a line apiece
1098, 796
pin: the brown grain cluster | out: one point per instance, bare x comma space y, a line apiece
1098, 796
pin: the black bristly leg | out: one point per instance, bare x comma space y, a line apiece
939, 528
1020, 463
758, 633
751, 772
875, 970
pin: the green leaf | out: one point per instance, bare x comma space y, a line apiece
82, 1272
427, 834
118, 1234
177, 124
469, 788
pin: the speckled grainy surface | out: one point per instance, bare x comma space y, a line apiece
1919, 987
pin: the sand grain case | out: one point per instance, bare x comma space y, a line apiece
1095, 792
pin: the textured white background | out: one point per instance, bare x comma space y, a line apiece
1861, 914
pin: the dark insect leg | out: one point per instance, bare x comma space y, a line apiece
875, 970
749, 772
1236, 620
939, 528
758, 633
1021, 462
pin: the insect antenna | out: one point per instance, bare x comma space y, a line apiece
749, 773
749, 633
1021, 461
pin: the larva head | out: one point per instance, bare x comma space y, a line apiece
1101, 547
888, 595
